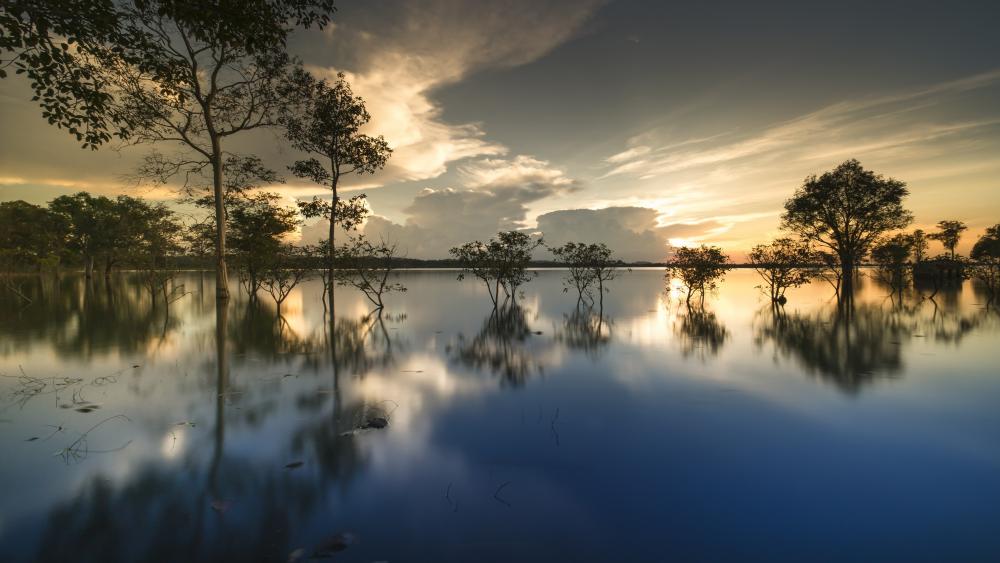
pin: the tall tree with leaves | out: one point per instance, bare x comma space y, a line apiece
948, 234
325, 120
187, 72
845, 211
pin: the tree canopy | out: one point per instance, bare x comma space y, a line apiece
845, 211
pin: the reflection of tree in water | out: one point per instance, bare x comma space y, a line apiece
849, 345
585, 329
700, 332
361, 344
82, 318
209, 506
500, 346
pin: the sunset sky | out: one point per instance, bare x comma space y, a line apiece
636, 123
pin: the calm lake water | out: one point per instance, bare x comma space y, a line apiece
540, 434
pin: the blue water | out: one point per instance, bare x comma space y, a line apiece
645, 431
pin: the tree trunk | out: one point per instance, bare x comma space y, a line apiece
332, 240
107, 269
88, 267
221, 276
847, 275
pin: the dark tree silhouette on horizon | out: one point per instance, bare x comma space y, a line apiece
845, 211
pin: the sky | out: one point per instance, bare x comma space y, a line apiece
642, 124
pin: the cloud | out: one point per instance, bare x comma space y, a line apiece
494, 197
402, 55
879, 126
633, 233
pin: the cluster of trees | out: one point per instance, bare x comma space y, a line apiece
836, 221
501, 263
97, 232
191, 75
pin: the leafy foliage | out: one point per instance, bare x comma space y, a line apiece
501, 263
845, 211
698, 269
948, 234
587, 265
784, 263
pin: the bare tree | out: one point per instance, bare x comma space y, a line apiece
368, 266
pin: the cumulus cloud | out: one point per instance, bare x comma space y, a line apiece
633, 233
495, 197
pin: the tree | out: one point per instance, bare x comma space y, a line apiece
207, 71
287, 269
501, 263
368, 267
919, 245
949, 233
892, 256
259, 226
986, 253
90, 221
587, 264
784, 263
845, 211
30, 235
698, 269
62, 46
325, 120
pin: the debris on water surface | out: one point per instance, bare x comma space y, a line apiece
376, 422
293, 465
32, 439
335, 545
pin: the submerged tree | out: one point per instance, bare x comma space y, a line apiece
919, 238
892, 256
259, 225
325, 120
30, 235
368, 267
784, 263
986, 253
698, 269
501, 263
286, 270
948, 234
845, 211
587, 265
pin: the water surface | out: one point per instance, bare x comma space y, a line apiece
542, 432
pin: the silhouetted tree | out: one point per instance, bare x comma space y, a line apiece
892, 256
326, 120
919, 245
284, 271
949, 233
986, 253
784, 263
698, 269
206, 72
30, 235
368, 267
258, 224
587, 265
845, 211
501, 263
63, 47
